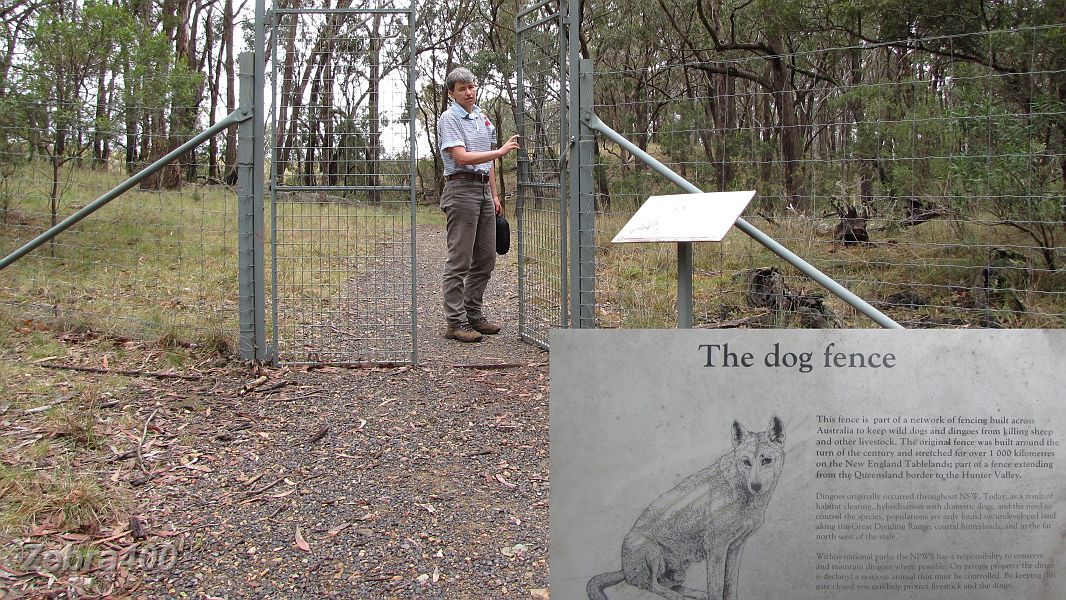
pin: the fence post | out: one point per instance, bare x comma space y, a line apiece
522, 160
252, 342
582, 205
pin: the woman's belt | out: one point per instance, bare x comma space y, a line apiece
468, 176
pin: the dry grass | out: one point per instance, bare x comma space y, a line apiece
939, 260
65, 441
53, 427
60, 430
148, 263
67, 501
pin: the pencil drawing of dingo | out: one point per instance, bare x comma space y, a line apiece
707, 517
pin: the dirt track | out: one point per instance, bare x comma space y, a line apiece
428, 481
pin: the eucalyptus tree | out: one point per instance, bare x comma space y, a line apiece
181, 22
762, 46
228, 24
335, 70
494, 60
17, 21
218, 59
1003, 66
69, 47
155, 82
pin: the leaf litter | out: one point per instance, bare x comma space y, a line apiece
418, 481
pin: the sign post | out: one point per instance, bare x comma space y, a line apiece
684, 219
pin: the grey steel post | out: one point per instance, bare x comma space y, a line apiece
569, 38
582, 204
572, 189
806, 268
259, 147
684, 285
412, 103
252, 342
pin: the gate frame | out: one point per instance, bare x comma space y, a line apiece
575, 203
560, 16
271, 352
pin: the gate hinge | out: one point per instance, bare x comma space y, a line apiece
564, 156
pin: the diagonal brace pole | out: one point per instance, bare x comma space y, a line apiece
234, 117
806, 268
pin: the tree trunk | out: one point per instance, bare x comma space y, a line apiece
788, 125
764, 122
330, 165
729, 123
603, 190
53, 195
131, 141
99, 139
109, 135
213, 84
231, 93
313, 121
285, 130
374, 147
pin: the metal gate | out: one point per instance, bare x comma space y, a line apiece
541, 204
341, 148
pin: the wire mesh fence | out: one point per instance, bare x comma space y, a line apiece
161, 260
342, 186
540, 118
88, 97
158, 262
926, 175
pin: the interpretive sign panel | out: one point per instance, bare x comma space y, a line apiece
808, 464
705, 217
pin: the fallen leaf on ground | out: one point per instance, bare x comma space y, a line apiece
301, 543
49, 526
339, 528
518, 550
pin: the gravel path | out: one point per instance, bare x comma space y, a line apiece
429, 481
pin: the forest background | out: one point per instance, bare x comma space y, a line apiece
849, 117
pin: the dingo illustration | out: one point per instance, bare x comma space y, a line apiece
707, 517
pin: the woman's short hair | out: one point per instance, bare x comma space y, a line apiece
458, 74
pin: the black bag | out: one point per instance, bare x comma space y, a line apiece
503, 235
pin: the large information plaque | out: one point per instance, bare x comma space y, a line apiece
808, 464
